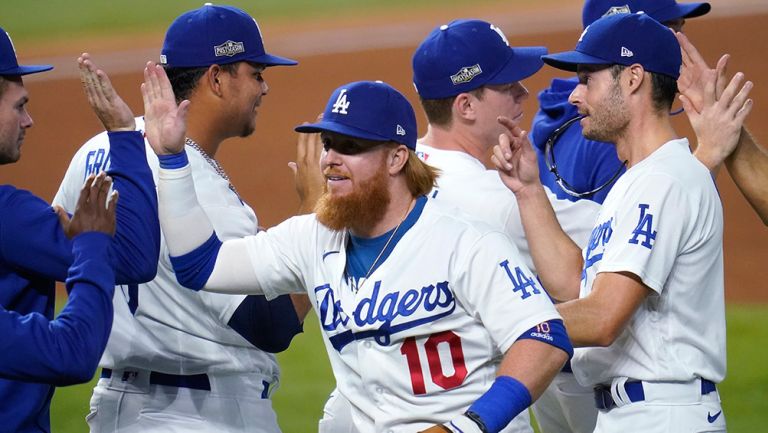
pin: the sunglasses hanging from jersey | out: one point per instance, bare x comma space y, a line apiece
549, 159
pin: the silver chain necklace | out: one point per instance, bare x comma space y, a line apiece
215, 164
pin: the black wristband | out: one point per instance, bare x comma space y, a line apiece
477, 420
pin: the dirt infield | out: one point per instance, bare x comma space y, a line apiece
258, 165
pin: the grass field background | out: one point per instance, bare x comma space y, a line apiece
307, 380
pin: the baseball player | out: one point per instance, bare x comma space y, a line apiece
651, 301
178, 360
582, 170
38, 353
467, 75
401, 285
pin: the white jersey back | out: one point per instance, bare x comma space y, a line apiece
421, 339
663, 222
464, 182
161, 325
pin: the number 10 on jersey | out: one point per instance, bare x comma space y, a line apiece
447, 339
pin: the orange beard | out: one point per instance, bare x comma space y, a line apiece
361, 208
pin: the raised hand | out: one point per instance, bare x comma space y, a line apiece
718, 122
113, 112
307, 175
93, 212
165, 120
695, 73
515, 158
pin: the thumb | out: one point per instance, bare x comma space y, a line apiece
688, 106
63, 217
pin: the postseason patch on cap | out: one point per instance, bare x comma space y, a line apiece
466, 74
229, 49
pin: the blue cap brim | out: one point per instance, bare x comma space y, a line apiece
570, 60
339, 128
272, 60
524, 62
26, 70
681, 10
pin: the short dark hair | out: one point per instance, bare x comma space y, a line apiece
663, 88
439, 110
184, 80
3, 85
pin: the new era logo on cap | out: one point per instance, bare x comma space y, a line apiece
229, 49
466, 74
606, 42
400, 130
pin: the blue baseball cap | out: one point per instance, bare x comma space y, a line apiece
624, 39
467, 54
372, 110
218, 35
660, 10
9, 65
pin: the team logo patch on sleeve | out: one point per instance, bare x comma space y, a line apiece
644, 228
229, 49
466, 74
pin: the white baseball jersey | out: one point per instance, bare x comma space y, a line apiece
465, 182
162, 326
421, 338
663, 222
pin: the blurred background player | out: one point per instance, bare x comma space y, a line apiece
40, 246
378, 304
178, 360
652, 280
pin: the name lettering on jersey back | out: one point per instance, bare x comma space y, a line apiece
600, 236
394, 311
96, 161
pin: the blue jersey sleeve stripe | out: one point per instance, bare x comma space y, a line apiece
173, 161
194, 268
551, 332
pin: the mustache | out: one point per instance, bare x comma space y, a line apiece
334, 172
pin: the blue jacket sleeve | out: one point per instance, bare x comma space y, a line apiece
136, 249
268, 325
66, 350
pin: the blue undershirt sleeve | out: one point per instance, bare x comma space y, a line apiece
268, 325
136, 249
66, 350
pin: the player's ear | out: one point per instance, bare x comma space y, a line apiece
398, 156
464, 106
635, 76
213, 79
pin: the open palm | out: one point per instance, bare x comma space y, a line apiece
165, 120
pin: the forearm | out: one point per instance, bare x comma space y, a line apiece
534, 364
135, 251
66, 350
748, 167
584, 322
556, 257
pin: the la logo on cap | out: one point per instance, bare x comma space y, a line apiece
342, 104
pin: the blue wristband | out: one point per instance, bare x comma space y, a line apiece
506, 398
175, 160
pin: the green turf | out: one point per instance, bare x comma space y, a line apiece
307, 380
42, 20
